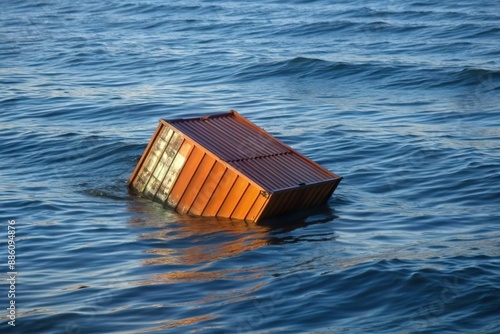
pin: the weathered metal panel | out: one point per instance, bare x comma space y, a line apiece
298, 198
229, 138
174, 171
246, 202
220, 193
233, 197
155, 152
194, 186
163, 164
280, 171
138, 172
185, 176
207, 190
225, 166
259, 204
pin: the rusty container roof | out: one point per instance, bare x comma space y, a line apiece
249, 149
230, 136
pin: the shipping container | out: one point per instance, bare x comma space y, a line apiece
225, 166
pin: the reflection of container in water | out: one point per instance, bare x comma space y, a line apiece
225, 166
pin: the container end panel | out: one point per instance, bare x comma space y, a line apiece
173, 172
151, 160
163, 165
140, 165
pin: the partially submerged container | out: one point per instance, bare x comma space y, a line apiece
225, 166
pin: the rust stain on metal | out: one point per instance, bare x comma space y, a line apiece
225, 166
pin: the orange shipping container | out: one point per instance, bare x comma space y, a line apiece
225, 166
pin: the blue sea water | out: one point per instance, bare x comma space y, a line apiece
400, 98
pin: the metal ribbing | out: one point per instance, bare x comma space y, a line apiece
280, 171
229, 138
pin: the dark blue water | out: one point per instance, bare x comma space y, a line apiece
400, 98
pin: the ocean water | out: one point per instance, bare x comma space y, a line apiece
400, 98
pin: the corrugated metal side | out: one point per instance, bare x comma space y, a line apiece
187, 172
220, 193
233, 197
260, 203
226, 194
230, 138
212, 190
280, 171
195, 182
208, 188
246, 202
299, 198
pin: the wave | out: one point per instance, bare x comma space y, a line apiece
472, 74
302, 67
385, 75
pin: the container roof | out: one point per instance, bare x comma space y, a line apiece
281, 171
252, 151
230, 137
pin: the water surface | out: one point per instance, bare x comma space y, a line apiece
401, 99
